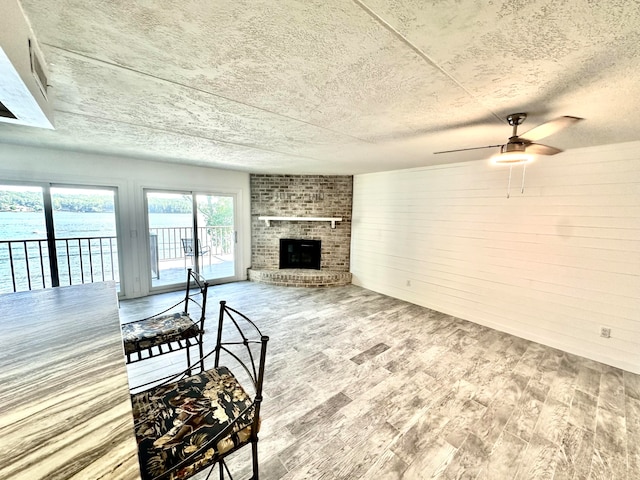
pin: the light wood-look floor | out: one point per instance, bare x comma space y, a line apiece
364, 386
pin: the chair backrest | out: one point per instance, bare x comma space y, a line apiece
240, 342
187, 245
188, 248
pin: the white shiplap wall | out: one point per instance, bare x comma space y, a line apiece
551, 265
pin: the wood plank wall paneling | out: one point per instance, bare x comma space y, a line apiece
551, 265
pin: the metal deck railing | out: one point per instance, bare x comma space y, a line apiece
24, 264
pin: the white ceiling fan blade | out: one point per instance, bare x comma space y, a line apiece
539, 149
549, 128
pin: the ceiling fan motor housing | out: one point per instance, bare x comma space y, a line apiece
514, 145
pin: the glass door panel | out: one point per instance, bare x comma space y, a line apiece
85, 234
170, 222
24, 254
216, 231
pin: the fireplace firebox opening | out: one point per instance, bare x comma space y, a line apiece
298, 253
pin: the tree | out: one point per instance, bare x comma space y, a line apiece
218, 212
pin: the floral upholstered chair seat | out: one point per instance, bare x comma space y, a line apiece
157, 331
187, 419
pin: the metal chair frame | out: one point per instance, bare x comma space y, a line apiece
253, 367
255, 373
197, 287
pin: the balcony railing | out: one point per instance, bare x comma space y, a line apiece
218, 239
24, 264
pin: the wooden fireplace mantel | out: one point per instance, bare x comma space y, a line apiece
333, 220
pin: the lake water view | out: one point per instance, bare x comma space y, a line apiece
31, 226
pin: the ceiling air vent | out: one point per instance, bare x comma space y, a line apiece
37, 70
24, 94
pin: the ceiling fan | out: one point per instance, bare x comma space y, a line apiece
521, 148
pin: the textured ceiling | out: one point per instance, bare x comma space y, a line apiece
331, 86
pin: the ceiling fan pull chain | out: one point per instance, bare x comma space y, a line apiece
524, 169
509, 184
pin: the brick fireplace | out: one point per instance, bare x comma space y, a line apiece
306, 198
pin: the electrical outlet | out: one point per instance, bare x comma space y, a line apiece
605, 332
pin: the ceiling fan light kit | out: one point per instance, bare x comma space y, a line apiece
511, 158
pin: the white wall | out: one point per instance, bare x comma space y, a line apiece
130, 176
552, 265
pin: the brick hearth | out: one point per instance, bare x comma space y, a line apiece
300, 277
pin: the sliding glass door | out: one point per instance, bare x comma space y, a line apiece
84, 221
216, 230
189, 230
170, 223
24, 253
54, 236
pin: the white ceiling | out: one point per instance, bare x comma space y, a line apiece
331, 86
